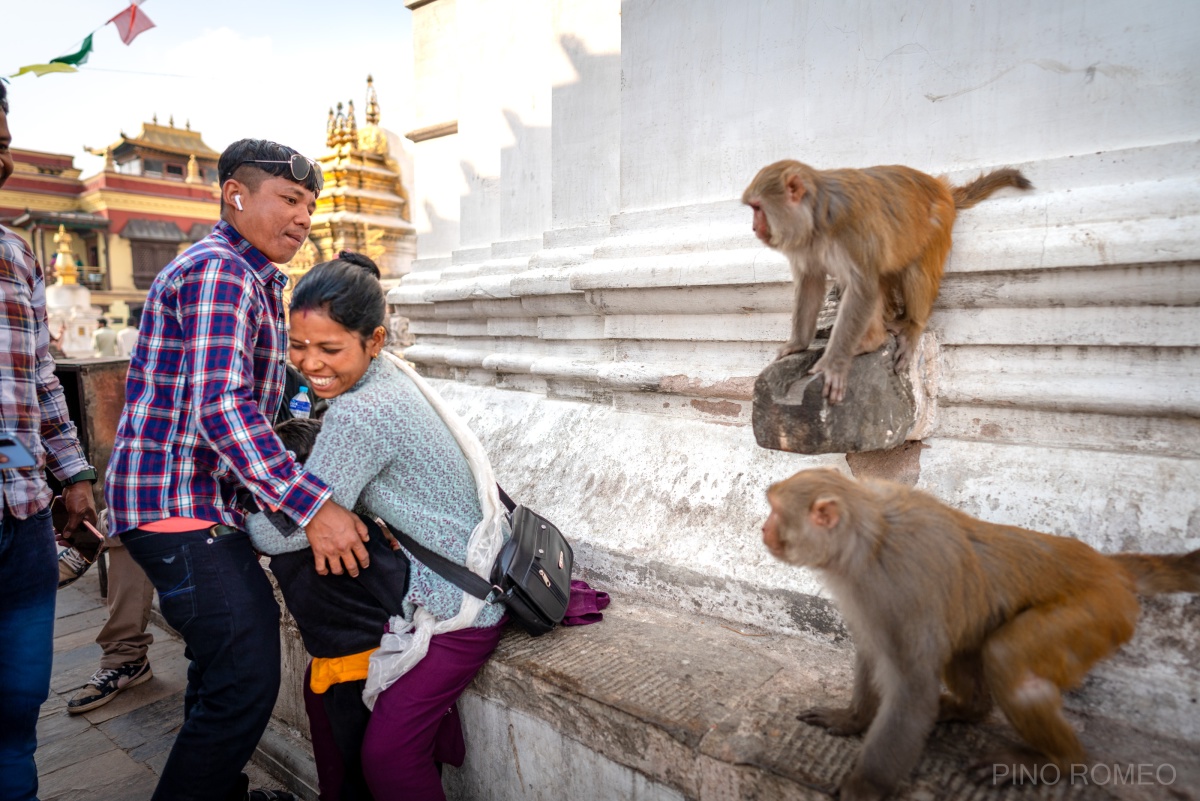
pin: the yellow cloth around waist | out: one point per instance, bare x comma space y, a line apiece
334, 670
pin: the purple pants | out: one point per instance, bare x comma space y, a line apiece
413, 726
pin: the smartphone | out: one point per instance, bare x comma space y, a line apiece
13, 453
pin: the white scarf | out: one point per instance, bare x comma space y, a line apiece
405, 644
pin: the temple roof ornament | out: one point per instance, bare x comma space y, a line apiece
351, 137
106, 152
364, 205
64, 260
372, 103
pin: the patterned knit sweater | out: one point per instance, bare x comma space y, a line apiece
385, 452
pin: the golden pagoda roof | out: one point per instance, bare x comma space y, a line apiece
170, 139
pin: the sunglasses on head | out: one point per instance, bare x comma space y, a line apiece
301, 166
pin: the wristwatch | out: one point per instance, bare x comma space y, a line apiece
87, 474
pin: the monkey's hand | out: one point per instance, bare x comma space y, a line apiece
836, 374
839, 722
791, 347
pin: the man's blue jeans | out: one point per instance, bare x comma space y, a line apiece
28, 584
214, 593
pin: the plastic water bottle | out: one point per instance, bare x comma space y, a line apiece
300, 405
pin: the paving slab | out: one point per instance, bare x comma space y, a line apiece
77, 598
111, 776
63, 752
89, 621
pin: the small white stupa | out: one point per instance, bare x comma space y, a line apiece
69, 305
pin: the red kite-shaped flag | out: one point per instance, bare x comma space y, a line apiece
131, 22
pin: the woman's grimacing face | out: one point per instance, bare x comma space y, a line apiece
331, 357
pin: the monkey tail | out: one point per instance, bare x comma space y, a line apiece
982, 187
1160, 574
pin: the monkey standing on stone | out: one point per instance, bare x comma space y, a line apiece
929, 593
881, 233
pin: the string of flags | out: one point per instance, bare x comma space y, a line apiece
129, 23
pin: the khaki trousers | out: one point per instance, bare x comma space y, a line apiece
124, 637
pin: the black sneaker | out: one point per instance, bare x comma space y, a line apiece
71, 566
106, 683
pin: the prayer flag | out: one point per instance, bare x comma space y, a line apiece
79, 58
44, 69
131, 22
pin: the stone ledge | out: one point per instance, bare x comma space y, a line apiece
660, 705
702, 710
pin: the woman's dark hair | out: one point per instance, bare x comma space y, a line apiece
347, 289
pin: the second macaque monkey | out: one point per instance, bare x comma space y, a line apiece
883, 234
930, 594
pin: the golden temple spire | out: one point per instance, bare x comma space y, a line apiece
351, 138
372, 102
64, 261
331, 130
339, 127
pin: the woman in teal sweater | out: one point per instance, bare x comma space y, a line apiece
391, 449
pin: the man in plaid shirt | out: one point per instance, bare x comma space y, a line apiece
205, 378
33, 412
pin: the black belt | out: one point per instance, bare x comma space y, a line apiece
222, 530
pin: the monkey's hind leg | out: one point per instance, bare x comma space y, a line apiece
969, 700
876, 334
1030, 660
919, 284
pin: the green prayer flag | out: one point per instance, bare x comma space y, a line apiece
78, 58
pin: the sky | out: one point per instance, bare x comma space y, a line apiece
234, 68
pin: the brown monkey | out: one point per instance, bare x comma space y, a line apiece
998, 613
881, 233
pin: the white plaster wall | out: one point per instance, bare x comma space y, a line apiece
941, 86
437, 176
609, 369
586, 113
438, 187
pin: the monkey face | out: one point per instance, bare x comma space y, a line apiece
803, 527
782, 218
761, 226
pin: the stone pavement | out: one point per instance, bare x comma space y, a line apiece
114, 752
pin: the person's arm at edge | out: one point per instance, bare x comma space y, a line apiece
64, 455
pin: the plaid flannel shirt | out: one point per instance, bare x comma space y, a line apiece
205, 379
32, 405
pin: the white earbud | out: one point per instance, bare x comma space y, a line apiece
237, 201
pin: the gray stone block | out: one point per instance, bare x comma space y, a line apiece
790, 413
